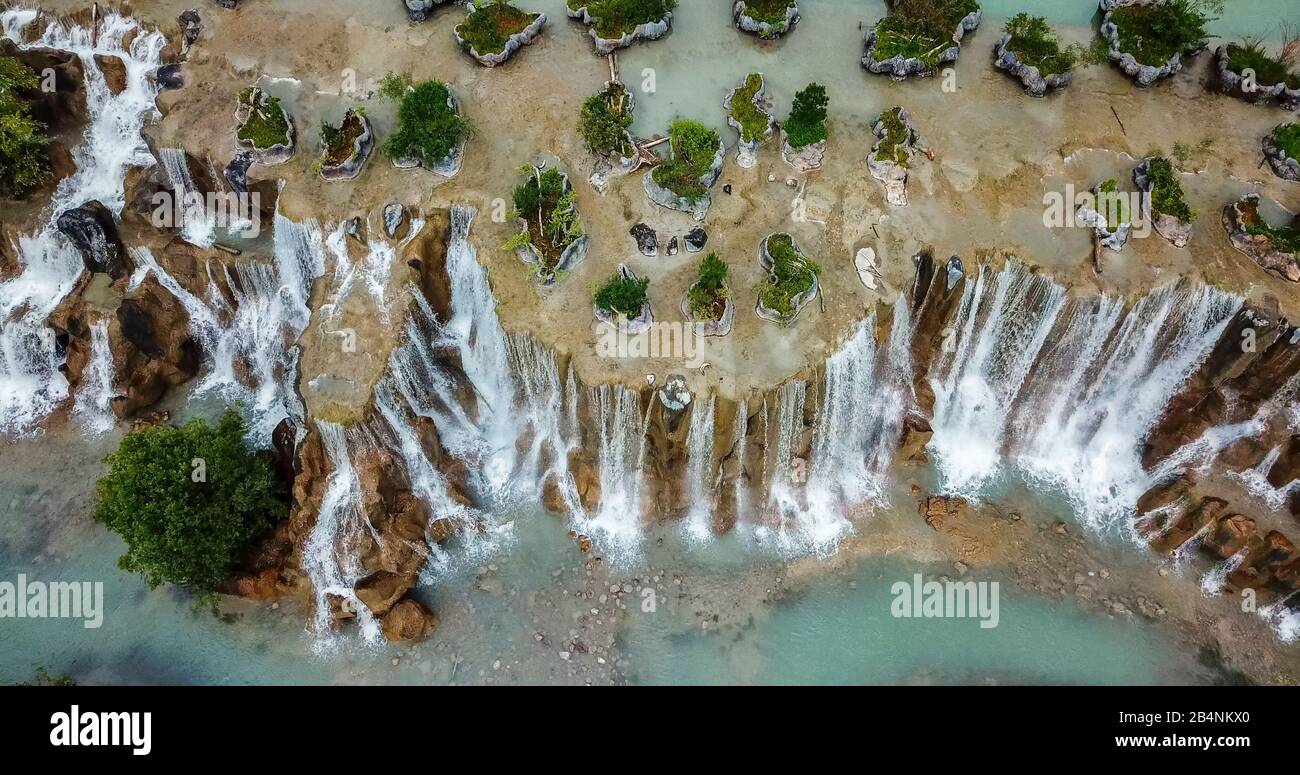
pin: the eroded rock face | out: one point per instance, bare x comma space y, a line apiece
151, 346
92, 230
936, 292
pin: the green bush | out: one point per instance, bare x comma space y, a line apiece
428, 129
489, 27
753, 122
1113, 205
178, 530
266, 125
807, 121
24, 148
1167, 191
340, 141
1154, 32
1283, 238
546, 205
1250, 54
614, 18
767, 11
1035, 43
694, 148
605, 119
893, 146
622, 295
920, 29
1287, 137
791, 274
709, 288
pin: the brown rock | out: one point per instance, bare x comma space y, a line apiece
1229, 535
1186, 524
381, 590
408, 620
114, 70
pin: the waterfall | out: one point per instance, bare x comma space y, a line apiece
30, 384
196, 224
740, 441
701, 474
93, 404
621, 428
328, 555
1065, 390
553, 427
248, 339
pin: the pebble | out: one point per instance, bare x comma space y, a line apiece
564, 655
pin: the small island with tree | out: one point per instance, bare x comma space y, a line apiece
551, 237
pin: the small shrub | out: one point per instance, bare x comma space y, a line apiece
807, 122
340, 141
1287, 137
1154, 32
604, 121
428, 129
550, 215
24, 148
179, 530
1283, 238
1113, 205
707, 297
491, 23
622, 295
614, 18
694, 148
920, 29
791, 275
1250, 54
767, 11
1035, 43
893, 146
1167, 191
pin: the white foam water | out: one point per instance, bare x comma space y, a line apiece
31, 385
701, 473
93, 406
197, 225
621, 429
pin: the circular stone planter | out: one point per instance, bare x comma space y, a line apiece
362, 146
1177, 232
698, 208
637, 325
275, 154
447, 166
719, 327
644, 31
1142, 75
766, 30
1232, 82
889, 171
901, 68
569, 258
805, 159
747, 152
515, 42
800, 301
1257, 246
1036, 84
1283, 166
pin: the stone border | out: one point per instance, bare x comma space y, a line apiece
1282, 165
447, 167
766, 261
892, 174
1036, 84
1142, 75
719, 327
571, 256
805, 159
899, 68
362, 146
640, 324
276, 154
1256, 246
419, 10
1232, 83
747, 23
524, 37
700, 207
747, 152
1176, 231
643, 31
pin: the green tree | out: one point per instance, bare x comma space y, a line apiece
24, 152
186, 500
807, 122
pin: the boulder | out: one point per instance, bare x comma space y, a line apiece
1229, 536
419, 10
1187, 524
646, 240
92, 229
695, 240
408, 620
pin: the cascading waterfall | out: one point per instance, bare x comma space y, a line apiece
93, 405
542, 396
701, 480
621, 427
196, 224
31, 385
1065, 390
739, 433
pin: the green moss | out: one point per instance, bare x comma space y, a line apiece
1035, 43
1284, 238
428, 129
767, 11
1251, 55
490, 24
622, 295
615, 18
604, 121
694, 148
1113, 205
920, 29
1167, 191
753, 122
791, 275
893, 146
1287, 137
1154, 32
266, 125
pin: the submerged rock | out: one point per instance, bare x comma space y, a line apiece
1036, 84
646, 240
